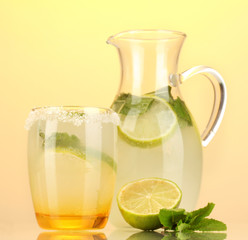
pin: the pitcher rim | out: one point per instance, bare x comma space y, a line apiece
173, 35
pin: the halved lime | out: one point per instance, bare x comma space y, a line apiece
150, 128
140, 201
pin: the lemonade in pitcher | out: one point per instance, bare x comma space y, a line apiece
72, 166
157, 135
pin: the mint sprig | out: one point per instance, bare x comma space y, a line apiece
181, 221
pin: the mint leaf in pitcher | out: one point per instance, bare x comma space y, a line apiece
176, 104
128, 104
181, 110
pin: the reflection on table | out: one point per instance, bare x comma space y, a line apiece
150, 235
119, 234
71, 235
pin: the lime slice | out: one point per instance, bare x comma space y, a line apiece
140, 201
150, 128
68, 161
62, 142
89, 154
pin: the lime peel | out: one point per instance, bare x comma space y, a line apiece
136, 201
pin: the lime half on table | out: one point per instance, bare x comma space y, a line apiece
140, 201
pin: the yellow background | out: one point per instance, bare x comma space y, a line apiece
53, 52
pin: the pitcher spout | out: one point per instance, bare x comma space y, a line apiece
148, 58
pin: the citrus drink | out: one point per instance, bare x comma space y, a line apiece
157, 137
72, 167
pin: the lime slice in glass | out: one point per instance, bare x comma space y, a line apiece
150, 128
140, 201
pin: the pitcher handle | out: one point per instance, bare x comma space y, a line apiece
218, 107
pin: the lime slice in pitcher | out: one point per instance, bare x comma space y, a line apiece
150, 128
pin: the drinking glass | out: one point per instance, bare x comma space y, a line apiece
72, 165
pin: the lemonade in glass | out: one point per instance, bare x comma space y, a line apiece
72, 166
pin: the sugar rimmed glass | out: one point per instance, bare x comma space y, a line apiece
72, 165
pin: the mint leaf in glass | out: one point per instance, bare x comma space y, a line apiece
62, 139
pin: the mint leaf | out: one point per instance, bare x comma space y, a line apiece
196, 216
177, 105
128, 104
63, 140
169, 218
181, 226
181, 110
209, 225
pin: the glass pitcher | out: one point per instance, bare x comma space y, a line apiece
158, 136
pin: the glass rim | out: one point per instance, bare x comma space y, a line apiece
70, 108
76, 115
165, 35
